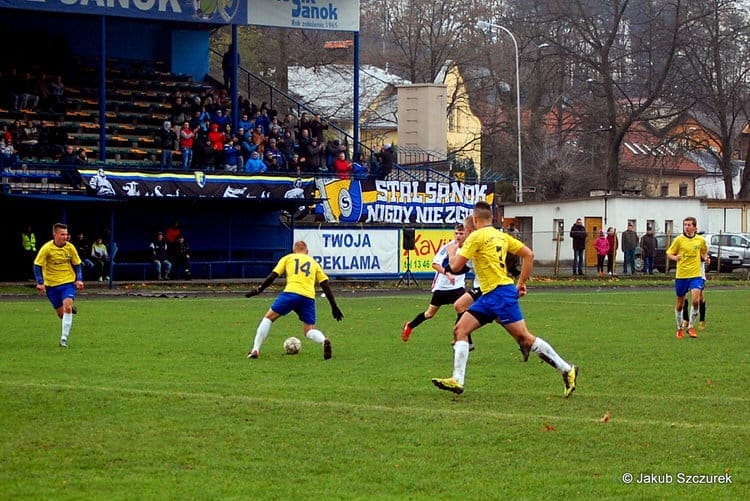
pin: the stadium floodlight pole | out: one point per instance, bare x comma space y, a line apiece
484, 25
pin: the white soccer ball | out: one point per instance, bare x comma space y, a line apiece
292, 345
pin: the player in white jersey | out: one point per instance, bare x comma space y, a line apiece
447, 287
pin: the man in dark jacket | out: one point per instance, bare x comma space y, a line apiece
158, 248
69, 162
648, 250
385, 159
578, 234
629, 241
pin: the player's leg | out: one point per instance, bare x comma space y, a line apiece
461, 331
305, 310
67, 320
65, 296
695, 298
685, 315
479, 314
702, 312
422, 316
544, 351
462, 304
681, 290
261, 333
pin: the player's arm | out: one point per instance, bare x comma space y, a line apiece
441, 265
78, 269
39, 277
457, 262
267, 282
335, 311
527, 265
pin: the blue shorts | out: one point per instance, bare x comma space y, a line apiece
303, 306
501, 304
59, 293
683, 285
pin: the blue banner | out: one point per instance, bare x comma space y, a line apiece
197, 11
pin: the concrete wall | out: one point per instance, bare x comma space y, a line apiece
421, 117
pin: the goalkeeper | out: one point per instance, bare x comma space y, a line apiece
302, 273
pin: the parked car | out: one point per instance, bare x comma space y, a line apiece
733, 249
660, 259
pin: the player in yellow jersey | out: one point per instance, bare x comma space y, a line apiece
302, 274
58, 273
689, 251
488, 247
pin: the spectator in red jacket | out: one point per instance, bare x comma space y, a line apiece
216, 139
187, 136
342, 167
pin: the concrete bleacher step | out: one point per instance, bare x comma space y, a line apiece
138, 102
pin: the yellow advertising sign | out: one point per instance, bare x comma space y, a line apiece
427, 243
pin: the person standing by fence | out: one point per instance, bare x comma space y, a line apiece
629, 243
578, 234
613, 243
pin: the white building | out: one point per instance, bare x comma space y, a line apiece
545, 226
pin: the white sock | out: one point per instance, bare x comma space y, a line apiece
460, 360
693, 315
261, 333
315, 335
549, 355
67, 323
678, 317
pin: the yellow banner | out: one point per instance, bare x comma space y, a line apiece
426, 244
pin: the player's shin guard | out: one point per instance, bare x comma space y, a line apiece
261, 333
67, 323
549, 355
417, 320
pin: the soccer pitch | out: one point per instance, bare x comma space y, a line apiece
155, 399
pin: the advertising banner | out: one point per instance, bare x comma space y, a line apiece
426, 245
353, 251
123, 184
196, 11
337, 15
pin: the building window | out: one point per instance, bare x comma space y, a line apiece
558, 231
452, 119
650, 223
683, 189
669, 227
664, 190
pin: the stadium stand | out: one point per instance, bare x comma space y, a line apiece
137, 102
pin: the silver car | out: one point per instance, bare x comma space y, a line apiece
732, 249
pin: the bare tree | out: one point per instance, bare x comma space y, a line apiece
418, 36
714, 70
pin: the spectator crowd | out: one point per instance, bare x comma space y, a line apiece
199, 126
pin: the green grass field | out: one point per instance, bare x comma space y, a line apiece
155, 399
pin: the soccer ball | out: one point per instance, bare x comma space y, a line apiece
292, 345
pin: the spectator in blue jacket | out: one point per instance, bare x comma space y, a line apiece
255, 164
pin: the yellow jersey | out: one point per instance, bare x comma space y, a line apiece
691, 249
57, 263
487, 248
302, 274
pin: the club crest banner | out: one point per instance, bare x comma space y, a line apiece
399, 202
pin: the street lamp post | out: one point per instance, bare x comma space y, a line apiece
484, 25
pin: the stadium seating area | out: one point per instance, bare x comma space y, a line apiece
138, 100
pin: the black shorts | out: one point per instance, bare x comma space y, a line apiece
441, 298
475, 293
